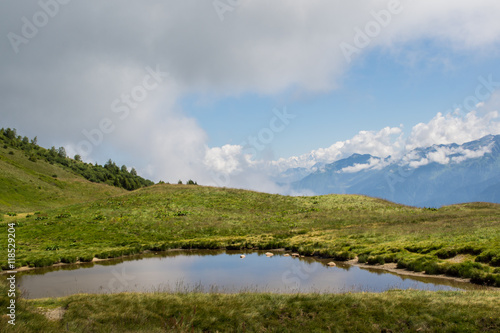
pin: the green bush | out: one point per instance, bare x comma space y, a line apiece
469, 249
343, 256
69, 259
103, 255
362, 258
446, 253
486, 256
433, 268
483, 278
43, 262
418, 264
464, 269
374, 260
87, 258
495, 261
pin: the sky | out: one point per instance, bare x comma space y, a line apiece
234, 92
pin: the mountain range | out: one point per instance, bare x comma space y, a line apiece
425, 177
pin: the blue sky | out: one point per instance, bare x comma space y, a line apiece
205, 80
379, 89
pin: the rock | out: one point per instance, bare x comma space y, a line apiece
286, 255
295, 255
242, 256
269, 254
331, 264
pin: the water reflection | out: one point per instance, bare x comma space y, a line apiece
218, 271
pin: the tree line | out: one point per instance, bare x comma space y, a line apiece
109, 174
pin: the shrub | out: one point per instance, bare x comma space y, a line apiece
433, 268
43, 262
418, 264
469, 249
446, 253
115, 253
486, 256
392, 257
482, 278
373, 260
362, 258
343, 256
303, 250
87, 258
464, 269
69, 259
103, 255
495, 261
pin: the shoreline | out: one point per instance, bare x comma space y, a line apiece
387, 267
391, 267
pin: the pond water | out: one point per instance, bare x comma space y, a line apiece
218, 271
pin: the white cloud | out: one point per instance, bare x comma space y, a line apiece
63, 81
444, 155
415, 164
373, 163
453, 129
467, 154
438, 156
383, 143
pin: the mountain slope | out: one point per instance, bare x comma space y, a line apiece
26, 186
433, 176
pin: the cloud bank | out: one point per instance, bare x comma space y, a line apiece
63, 81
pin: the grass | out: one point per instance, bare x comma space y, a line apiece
338, 226
27, 186
68, 219
401, 311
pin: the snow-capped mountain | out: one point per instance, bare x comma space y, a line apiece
433, 176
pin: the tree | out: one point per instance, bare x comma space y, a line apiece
179, 182
61, 152
34, 141
133, 172
10, 133
26, 140
124, 169
78, 158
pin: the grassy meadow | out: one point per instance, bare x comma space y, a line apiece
341, 227
391, 311
62, 218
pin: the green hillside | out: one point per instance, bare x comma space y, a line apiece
27, 186
60, 217
342, 227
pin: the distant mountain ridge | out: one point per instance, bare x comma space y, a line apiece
432, 176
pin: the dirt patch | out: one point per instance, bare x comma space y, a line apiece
52, 314
460, 258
